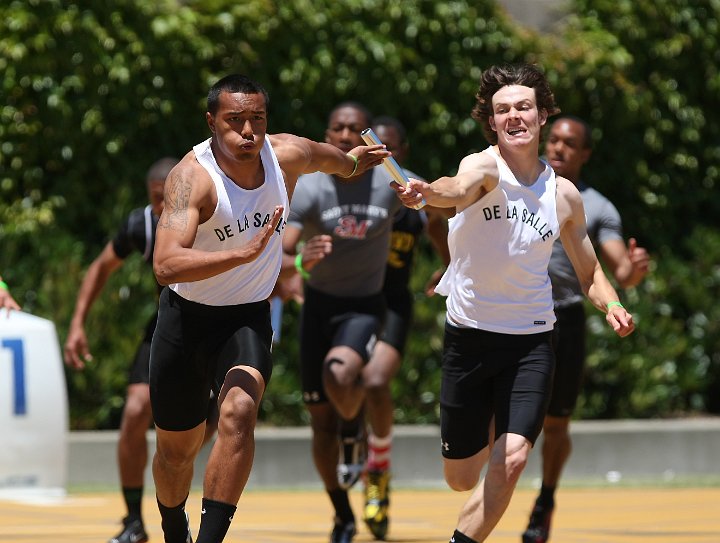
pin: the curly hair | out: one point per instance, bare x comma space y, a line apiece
497, 77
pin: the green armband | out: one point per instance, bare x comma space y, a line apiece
3, 285
611, 304
355, 159
299, 267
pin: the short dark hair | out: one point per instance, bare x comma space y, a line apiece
353, 105
160, 169
587, 136
387, 120
497, 77
234, 83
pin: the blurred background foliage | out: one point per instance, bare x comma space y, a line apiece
93, 93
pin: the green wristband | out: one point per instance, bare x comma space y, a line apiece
355, 159
3, 285
611, 304
299, 267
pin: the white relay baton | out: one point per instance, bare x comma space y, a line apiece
370, 138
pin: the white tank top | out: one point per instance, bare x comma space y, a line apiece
238, 217
500, 247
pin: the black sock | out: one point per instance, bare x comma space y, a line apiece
341, 503
546, 498
174, 522
133, 501
459, 537
215, 521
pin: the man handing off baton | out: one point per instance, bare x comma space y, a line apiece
498, 359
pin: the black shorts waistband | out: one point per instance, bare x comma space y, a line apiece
373, 303
197, 308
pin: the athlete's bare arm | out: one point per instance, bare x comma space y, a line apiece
76, 348
189, 200
298, 155
628, 264
477, 175
577, 245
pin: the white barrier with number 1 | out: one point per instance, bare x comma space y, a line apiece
33, 407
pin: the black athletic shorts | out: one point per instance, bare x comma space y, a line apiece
569, 342
486, 374
140, 369
330, 321
194, 347
397, 319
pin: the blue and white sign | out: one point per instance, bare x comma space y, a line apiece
33, 406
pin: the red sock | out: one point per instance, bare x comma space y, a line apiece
379, 452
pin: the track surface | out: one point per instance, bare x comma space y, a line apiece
607, 515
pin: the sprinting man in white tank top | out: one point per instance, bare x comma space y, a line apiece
218, 247
497, 359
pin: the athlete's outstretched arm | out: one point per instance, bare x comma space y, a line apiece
477, 175
298, 155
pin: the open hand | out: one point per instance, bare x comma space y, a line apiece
257, 244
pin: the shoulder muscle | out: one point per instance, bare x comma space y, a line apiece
293, 152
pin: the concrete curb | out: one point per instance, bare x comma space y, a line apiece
655, 451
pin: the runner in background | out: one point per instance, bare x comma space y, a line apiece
409, 225
135, 235
567, 149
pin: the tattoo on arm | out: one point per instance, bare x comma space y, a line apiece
177, 200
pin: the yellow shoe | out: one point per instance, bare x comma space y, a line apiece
377, 500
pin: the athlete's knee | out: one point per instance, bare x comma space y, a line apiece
238, 412
339, 372
461, 480
463, 474
377, 379
461, 483
510, 465
137, 407
175, 456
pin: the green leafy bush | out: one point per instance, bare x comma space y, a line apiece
93, 93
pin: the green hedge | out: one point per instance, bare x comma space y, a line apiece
93, 93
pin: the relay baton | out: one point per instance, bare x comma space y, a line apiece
370, 138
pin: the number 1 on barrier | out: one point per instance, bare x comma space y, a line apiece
370, 138
15, 346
